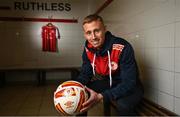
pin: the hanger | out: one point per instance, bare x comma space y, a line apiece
50, 24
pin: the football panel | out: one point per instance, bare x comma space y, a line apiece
59, 108
80, 102
71, 83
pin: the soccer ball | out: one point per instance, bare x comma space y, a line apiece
69, 97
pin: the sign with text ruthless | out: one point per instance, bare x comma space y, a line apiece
31, 5
39, 6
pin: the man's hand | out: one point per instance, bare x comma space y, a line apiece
93, 99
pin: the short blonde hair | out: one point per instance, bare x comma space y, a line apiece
92, 17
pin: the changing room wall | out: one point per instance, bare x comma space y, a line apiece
21, 42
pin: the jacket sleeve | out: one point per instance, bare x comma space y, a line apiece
86, 70
128, 74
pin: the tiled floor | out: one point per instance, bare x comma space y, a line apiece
31, 100
22, 100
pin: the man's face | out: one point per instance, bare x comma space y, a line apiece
94, 32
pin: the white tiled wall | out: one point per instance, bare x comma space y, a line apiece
153, 28
177, 104
177, 29
166, 100
165, 81
166, 59
177, 59
177, 86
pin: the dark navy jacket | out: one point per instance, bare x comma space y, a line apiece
125, 79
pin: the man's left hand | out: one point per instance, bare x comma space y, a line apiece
93, 100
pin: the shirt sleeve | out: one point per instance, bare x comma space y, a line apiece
86, 71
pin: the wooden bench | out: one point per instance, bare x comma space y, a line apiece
149, 108
41, 73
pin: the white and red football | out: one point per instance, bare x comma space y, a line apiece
69, 97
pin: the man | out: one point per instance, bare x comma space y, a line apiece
109, 69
